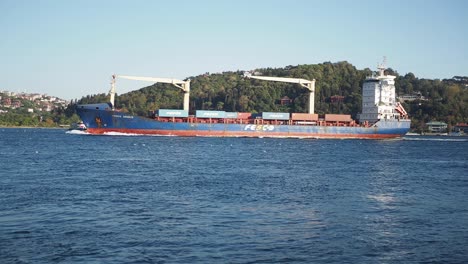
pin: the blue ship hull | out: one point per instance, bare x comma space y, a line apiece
100, 119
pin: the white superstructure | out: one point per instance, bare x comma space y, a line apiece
378, 98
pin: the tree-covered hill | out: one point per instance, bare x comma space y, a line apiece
445, 100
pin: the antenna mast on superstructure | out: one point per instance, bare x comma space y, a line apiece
112, 92
382, 66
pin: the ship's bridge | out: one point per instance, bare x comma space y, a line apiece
378, 98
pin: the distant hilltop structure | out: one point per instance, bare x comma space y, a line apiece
34, 102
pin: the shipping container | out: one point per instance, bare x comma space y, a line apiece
304, 116
241, 115
210, 114
231, 114
256, 115
337, 118
275, 116
172, 113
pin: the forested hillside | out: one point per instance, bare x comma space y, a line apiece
445, 100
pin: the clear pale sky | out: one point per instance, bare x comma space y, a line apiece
69, 48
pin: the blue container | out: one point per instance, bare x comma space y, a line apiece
210, 114
231, 114
275, 116
256, 115
172, 113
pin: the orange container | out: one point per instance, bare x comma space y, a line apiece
241, 115
304, 117
338, 118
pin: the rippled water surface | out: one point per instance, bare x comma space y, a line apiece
70, 198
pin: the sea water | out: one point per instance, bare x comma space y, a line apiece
78, 198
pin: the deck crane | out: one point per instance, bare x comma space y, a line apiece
183, 85
310, 85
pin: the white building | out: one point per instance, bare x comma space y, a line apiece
436, 127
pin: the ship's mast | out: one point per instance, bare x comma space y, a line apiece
382, 66
310, 85
112, 92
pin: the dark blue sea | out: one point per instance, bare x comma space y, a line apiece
74, 198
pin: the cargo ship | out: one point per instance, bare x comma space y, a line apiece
381, 118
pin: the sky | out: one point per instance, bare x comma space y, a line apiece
70, 49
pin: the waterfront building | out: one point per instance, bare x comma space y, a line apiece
436, 127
